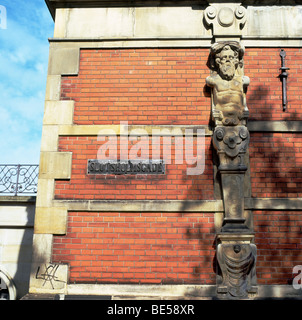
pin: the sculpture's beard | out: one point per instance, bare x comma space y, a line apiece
227, 71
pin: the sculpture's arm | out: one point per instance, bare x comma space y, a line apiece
246, 81
216, 114
210, 81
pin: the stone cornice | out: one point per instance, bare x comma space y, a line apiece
53, 4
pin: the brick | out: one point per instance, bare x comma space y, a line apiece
174, 185
135, 259
165, 86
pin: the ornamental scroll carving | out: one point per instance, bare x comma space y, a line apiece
226, 19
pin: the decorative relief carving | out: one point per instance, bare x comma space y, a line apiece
231, 144
237, 263
227, 19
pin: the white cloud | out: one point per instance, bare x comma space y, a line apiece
23, 58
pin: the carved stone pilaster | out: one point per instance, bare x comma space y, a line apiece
231, 144
236, 252
231, 136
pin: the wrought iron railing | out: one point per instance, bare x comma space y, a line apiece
18, 179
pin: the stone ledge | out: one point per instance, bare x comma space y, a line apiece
156, 130
165, 42
273, 203
18, 199
35, 296
148, 290
275, 126
159, 292
141, 205
176, 291
176, 205
172, 130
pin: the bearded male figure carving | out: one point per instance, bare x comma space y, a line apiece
236, 254
229, 84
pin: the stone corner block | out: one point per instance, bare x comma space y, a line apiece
53, 87
50, 138
58, 113
45, 193
55, 165
48, 278
51, 220
64, 61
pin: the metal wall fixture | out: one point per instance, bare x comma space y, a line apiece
283, 77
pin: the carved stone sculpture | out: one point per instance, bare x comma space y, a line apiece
236, 256
231, 136
237, 264
229, 84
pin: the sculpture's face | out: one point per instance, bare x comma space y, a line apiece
226, 63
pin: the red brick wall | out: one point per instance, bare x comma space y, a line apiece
175, 184
167, 86
276, 165
279, 245
141, 86
264, 96
132, 247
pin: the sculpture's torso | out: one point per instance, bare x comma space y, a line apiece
228, 98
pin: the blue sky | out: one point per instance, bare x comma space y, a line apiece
24, 52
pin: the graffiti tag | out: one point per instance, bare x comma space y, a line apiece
48, 275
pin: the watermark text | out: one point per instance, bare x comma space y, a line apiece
138, 144
297, 280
